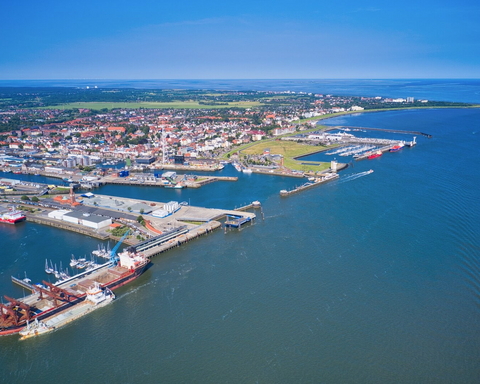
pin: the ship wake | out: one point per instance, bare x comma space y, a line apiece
354, 176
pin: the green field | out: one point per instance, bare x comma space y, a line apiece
153, 105
289, 150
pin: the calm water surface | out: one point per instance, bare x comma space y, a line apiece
368, 279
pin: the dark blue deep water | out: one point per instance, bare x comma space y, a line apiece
367, 279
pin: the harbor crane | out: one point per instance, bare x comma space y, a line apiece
113, 252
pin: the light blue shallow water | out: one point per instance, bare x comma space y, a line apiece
459, 90
371, 278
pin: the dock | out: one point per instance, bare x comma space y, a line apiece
177, 241
236, 221
67, 226
326, 177
23, 283
383, 149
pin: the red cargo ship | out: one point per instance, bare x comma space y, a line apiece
375, 154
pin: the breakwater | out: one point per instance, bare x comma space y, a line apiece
405, 132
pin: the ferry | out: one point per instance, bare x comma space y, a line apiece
12, 216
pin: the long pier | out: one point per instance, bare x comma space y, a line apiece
151, 183
386, 130
308, 185
202, 230
23, 284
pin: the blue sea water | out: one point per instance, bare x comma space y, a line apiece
368, 279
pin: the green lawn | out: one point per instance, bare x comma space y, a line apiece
289, 150
153, 105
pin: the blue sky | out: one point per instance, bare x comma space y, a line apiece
234, 40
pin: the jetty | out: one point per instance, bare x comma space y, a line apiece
386, 130
320, 180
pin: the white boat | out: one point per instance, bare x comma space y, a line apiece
55, 272
73, 262
47, 268
247, 170
26, 279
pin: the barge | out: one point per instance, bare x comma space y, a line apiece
52, 299
97, 297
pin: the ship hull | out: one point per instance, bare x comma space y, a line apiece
125, 278
41, 316
12, 221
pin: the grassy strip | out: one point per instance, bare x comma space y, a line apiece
290, 150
